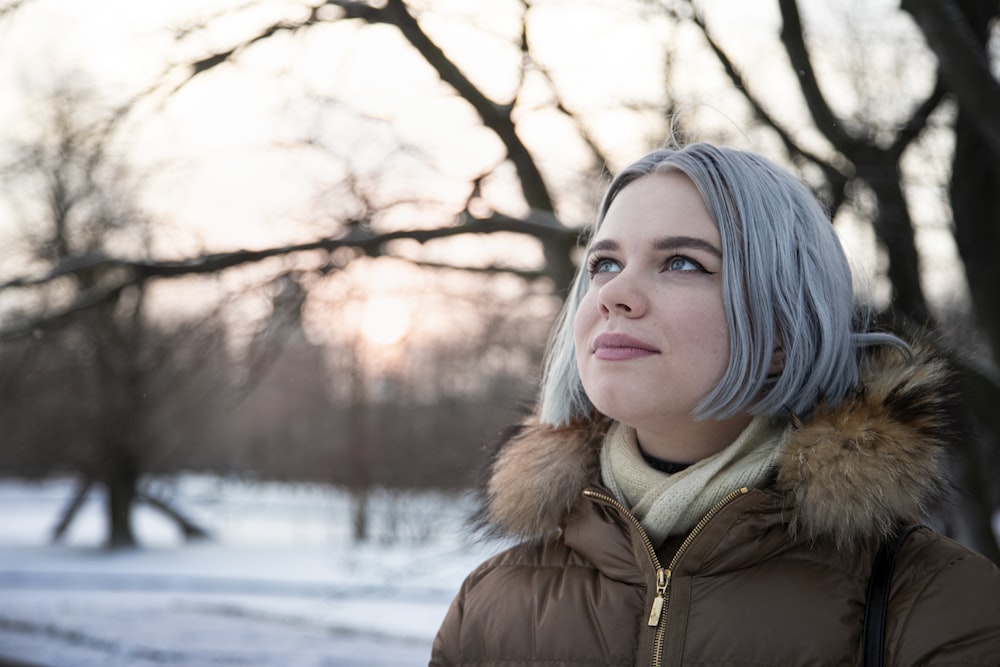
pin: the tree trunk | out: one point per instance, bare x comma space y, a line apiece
362, 455
122, 485
980, 395
976, 209
359, 514
895, 229
975, 197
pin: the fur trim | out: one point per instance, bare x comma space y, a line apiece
876, 458
851, 470
537, 475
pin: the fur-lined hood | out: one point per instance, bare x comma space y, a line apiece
848, 471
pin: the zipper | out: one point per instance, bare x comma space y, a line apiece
660, 603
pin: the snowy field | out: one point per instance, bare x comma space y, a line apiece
281, 583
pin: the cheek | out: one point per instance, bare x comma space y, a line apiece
698, 333
710, 333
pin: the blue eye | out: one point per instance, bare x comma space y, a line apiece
599, 264
680, 263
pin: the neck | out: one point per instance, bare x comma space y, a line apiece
692, 440
663, 465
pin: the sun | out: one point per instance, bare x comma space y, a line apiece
385, 320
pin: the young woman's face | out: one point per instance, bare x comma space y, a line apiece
651, 334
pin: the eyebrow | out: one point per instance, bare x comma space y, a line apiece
665, 243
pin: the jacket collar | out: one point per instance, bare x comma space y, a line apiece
849, 471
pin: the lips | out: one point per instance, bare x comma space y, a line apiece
619, 347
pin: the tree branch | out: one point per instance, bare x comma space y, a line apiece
494, 116
352, 10
836, 176
824, 118
191, 530
492, 269
588, 139
123, 273
963, 63
11, 7
917, 122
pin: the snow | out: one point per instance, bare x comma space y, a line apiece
280, 583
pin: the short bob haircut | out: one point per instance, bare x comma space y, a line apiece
786, 286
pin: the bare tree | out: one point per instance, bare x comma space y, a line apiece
107, 367
862, 156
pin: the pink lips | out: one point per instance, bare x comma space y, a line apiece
620, 347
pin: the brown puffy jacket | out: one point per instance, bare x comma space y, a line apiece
770, 577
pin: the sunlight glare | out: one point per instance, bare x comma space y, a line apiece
385, 320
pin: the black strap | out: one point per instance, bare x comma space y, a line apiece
877, 601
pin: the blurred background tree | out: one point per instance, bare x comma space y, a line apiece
469, 145
91, 391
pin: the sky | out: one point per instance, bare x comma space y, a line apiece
210, 152
256, 153
224, 129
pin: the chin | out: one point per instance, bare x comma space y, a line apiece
618, 411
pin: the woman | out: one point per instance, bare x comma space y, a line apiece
717, 454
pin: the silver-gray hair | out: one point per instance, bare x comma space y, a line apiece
786, 285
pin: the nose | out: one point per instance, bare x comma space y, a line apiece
623, 296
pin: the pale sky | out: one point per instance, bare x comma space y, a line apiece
209, 152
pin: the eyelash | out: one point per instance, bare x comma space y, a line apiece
594, 263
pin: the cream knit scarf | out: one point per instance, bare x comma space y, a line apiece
668, 504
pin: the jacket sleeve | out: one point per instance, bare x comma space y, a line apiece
445, 652
946, 609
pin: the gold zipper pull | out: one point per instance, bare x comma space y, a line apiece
662, 580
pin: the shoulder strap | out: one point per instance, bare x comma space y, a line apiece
877, 601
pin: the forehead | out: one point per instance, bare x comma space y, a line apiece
659, 205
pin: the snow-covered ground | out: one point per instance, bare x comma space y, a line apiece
280, 583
